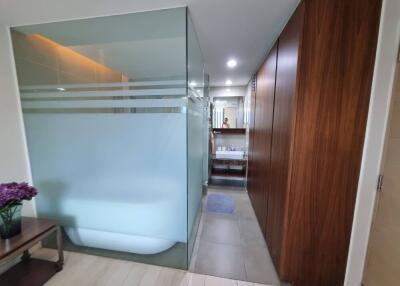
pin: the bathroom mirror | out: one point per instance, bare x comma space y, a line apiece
228, 112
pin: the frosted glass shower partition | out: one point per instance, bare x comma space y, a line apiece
195, 122
109, 118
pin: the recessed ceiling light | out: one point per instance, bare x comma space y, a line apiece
192, 83
60, 89
231, 63
228, 82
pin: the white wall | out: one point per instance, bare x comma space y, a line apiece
228, 91
14, 164
374, 140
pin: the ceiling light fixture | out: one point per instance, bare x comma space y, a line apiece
232, 63
228, 82
192, 83
60, 89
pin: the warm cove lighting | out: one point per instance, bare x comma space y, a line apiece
228, 82
69, 55
232, 63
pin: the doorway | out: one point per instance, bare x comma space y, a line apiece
383, 261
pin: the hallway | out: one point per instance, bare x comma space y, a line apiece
231, 245
200, 142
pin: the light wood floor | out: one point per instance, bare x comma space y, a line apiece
87, 270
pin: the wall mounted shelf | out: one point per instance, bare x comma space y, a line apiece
229, 130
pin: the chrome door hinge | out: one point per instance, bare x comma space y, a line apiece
380, 183
254, 83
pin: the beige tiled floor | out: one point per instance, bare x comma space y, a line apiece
232, 245
87, 270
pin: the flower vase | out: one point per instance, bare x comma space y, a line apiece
10, 220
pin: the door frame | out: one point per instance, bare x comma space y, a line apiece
371, 166
384, 158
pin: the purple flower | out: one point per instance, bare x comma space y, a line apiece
11, 193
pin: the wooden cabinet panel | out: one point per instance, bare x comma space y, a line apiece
264, 109
284, 115
250, 164
304, 178
336, 68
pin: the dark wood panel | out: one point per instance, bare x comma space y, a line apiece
250, 165
264, 109
268, 98
257, 198
288, 51
335, 78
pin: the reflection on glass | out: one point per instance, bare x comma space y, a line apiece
196, 126
106, 111
228, 112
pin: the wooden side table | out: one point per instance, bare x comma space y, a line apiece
30, 271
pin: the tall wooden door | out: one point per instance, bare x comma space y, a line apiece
282, 138
264, 109
250, 162
383, 260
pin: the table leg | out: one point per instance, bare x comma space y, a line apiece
25, 256
60, 246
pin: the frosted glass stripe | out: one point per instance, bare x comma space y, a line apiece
64, 98
140, 92
105, 103
105, 85
107, 110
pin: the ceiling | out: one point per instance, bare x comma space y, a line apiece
240, 29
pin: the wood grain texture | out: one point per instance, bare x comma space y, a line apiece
250, 164
262, 136
324, 73
334, 84
286, 76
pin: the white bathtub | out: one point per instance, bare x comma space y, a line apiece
118, 241
135, 220
114, 181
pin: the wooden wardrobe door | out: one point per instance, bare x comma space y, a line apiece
264, 110
282, 138
337, 63
250, 162
258, 158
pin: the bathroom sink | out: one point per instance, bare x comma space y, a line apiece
236, 155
